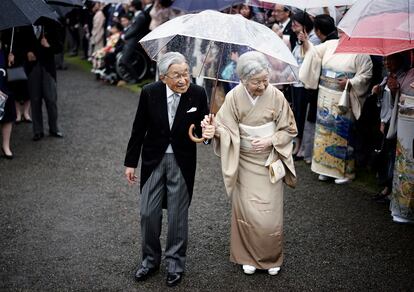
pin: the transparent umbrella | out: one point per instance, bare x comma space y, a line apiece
379, 27
212, 42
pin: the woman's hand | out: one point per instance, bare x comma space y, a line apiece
382, 127
375, 89
130, 175
393, 84
208, 126
261, 144
304, 40
342, 83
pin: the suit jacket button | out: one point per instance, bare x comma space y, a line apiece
170, 139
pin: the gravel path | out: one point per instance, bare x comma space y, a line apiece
69, 222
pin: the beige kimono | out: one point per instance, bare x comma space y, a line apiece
257, 204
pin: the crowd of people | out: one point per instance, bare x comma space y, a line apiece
313, 124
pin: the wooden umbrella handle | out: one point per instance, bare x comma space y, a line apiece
192, 137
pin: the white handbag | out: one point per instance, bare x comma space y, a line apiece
276, 171
343, 103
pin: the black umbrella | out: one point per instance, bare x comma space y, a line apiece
24, 12
71, 3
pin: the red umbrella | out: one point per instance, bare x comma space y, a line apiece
378, 27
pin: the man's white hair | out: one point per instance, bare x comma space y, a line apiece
251, 63
169, 59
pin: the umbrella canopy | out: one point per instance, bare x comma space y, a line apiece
70, 3
200, 5
305, 4
212, 42
379, 27
24, 12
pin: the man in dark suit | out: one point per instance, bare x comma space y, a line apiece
43, 43
282, 14
136, 31
166, 110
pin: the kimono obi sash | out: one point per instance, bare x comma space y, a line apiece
329, 78
249, 133
406, 108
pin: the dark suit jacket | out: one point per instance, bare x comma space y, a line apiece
151, 131
139, 28
46, 56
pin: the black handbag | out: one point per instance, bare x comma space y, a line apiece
16, 74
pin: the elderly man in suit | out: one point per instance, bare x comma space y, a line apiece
166, 110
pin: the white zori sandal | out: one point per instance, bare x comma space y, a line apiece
273, 271
248, 269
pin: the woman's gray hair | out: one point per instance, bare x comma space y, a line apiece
251, 63
169, 59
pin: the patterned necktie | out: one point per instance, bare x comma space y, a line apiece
172, 108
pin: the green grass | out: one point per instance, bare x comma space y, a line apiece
87, 66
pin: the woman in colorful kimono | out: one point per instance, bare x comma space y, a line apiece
253, 134
402, 126
333, 153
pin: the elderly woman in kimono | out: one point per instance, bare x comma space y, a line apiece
333, 154
253, 133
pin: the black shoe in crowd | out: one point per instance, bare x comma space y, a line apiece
173, 279
37, 137
143, 273
56, 134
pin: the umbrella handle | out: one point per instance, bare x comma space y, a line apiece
193, 138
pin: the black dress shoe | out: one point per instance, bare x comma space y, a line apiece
37, 137
144, 273
173, 279
10, 157
56, 134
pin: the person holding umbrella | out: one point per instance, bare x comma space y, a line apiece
165, 111
253, 134
42, 45
334, 149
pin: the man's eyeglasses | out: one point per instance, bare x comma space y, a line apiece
178, 76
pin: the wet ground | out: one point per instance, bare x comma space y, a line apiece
70, 222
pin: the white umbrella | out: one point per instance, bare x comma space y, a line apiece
220, 34
223, 37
